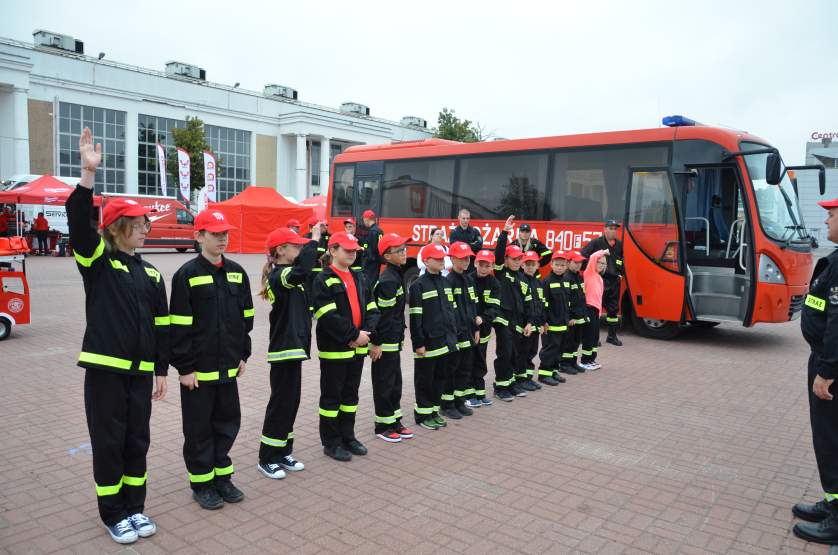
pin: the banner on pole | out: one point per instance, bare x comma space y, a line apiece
184, 173
161, 167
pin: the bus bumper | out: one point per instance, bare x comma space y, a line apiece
778, 303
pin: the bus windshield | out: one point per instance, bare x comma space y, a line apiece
779, 211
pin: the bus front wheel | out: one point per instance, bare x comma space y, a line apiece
655, 329
5, 328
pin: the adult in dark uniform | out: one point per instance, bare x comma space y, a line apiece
528, 243
612, 276
467, 234
819, 322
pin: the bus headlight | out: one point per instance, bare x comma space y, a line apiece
769, 271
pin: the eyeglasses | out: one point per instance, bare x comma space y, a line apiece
399, 250
144, 226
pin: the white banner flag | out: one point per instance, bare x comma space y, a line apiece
161, 167
210, 177
184, 171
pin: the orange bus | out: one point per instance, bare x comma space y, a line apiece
712, 230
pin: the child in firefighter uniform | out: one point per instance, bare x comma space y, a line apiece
512, 321
124, 350
346, 315
556, 302
433, 332
212, 315
290, 260
577, 315
594, 287
387, 339
529, 274
487, 289
458, 386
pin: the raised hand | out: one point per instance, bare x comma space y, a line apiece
509, 222
91, 157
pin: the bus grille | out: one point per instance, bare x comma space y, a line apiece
795, 304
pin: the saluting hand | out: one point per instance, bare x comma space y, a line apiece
821, 388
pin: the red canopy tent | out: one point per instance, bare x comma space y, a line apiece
44, 190
257, 211
318, 202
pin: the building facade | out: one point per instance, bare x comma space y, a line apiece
50, 91
825, 153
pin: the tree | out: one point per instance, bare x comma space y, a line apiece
454, 129
193, 140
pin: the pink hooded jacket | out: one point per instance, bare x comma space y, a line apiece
593, 281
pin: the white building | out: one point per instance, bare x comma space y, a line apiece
824, 152
50, 90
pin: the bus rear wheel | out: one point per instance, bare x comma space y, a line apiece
655, 329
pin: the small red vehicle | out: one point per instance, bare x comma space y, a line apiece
14, 296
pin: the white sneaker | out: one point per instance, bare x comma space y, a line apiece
122, 532
595, 366
587, 366
290, 463
271, 470
143, 525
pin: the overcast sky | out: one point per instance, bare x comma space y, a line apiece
521, 69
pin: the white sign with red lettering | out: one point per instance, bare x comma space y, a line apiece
184, 165
161, 167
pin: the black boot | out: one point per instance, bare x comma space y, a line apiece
825, 531
614, 340
815, 512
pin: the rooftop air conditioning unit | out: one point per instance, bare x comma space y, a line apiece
280, 91
355, 108
413, 121
59, 41
180, 69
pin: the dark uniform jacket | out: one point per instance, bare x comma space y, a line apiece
322, 248
389, 296
614, 260
488, 303
819, 318
578, 307
470, 236
335, 328
465, 307
290, 318
127, 314
371, 262
515, 295
556, 302
537, 300
212, 315
432, 322
540, 248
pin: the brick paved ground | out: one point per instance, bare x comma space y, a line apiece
700, 445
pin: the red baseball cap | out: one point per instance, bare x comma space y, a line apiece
828, 203
390, 240
293, 223
213, 221
349, 221
368, 214
346, 240
460, 250
531, 256
119, 207
485, 256
560, 255
284, 236
433, 250
313, 221
514, 251
576, 256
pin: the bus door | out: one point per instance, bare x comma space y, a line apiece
717, 239
367, 192
653, 253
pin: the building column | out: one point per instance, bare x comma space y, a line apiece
21, 130
300, 188
325, 148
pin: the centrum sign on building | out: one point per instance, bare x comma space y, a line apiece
817, 135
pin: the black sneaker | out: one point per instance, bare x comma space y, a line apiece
228, 492
815, 512
527, 385
614, 340
208, 498
464, 410
517, 390
271, 470
337, 452
548, 380
451, 413
290, 463
504, 395
579, 368
534, 384
567, 369
355, 447
558, 377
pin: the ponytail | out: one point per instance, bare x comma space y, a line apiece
266, 271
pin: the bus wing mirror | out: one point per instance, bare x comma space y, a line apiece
773, 169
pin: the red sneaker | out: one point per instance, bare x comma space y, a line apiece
404, 433
390, 436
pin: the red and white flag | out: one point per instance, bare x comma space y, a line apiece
210, 177
161, 167
184, 171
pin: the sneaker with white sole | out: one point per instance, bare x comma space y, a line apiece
486, 402
390, 436
474, 403
290, 463
595, 365
271, 470
123, 532
144, 526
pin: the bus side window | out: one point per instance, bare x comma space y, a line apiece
343, 191
184, 217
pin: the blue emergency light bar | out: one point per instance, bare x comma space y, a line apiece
678, 121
